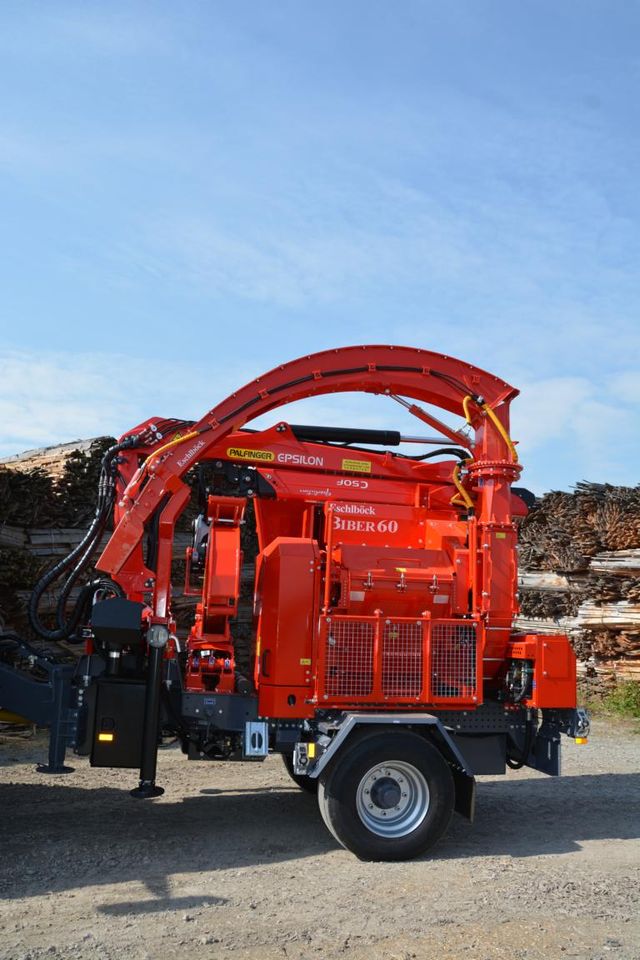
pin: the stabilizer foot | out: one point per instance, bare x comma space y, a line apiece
147, 791
45, 768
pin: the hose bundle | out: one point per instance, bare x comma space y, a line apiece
79, 557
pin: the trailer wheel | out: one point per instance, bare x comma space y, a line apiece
308, 784
390, 796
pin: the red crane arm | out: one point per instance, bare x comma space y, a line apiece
403, 371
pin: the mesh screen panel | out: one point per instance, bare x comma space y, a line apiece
453, 660
402, 659
349, 659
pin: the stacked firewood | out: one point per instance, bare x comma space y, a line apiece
609, 644
610, 589
591, 539
543, 605
565, 529
34, 497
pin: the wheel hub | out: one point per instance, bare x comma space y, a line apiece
392, 799
386, 793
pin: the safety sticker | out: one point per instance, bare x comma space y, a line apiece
358, 466
241, 453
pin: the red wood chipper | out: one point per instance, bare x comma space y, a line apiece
385, 667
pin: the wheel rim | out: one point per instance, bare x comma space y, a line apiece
392, 799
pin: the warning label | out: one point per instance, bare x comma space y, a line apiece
241, 453
357, 466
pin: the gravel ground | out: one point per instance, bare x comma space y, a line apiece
234, 861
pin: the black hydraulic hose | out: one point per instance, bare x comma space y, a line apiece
81, 554
452, 451
89, 540
77, 570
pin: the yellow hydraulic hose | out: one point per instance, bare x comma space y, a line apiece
171, 443
495, 421
501, 430
462, 493
156, 453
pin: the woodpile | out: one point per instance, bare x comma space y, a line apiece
34, 496
609, 644
564, 530
619, 562
580, 561
46, 500
542, 605
610, 589
49, 460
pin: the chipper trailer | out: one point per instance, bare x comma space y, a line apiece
385, 667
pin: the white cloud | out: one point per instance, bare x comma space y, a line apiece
626, 386
547, 410
576, 428
309, 255
55, 398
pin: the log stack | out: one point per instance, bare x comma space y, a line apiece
47, 497
580, 557
565, 530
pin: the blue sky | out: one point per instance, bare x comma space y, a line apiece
192, 193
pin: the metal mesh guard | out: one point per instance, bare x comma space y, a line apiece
402, 658
349, 659
453, 660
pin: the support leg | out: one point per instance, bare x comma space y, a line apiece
62, 723
146, 789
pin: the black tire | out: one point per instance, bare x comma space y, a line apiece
359, 792
323, 803
308, 784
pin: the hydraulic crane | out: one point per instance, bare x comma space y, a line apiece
384, 663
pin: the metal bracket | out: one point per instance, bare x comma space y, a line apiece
328, 746
46, 701
256, 738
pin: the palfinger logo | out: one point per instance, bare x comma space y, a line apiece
243, 453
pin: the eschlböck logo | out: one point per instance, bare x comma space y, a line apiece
190, 454
357, 509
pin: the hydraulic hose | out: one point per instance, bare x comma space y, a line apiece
517, 764
137, 480
462, 494
75, 573
80, 556
494, 420
501, 430
440, 452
